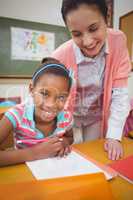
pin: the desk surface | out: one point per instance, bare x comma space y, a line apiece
122, 190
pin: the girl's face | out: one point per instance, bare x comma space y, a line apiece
49, 95
88, 29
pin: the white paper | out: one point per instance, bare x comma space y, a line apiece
73, 164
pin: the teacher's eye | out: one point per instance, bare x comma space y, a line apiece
93, 28
76, 34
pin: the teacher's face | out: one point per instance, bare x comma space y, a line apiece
88, 29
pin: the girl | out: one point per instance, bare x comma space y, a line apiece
41, 127
100, 60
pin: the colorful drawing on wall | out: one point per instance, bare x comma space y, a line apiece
27, 44
110, 13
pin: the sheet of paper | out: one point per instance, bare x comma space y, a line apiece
71, 165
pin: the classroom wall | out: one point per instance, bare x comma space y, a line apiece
39, 11
45, 11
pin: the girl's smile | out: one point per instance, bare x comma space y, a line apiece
48, 114
49, 94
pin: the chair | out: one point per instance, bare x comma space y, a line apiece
9, 101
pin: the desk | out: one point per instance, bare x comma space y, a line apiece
121, 189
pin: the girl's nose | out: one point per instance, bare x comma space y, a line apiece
50, 102
87, 40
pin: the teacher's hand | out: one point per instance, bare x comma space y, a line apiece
114, 149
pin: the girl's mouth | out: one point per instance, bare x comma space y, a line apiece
49, 115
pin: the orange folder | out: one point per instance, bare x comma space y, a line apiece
82, 187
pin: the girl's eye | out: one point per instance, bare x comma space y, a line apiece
44, 94
62, 98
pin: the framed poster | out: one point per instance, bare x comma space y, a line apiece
126, 25
31, 44
23, 44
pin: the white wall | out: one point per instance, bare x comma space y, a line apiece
46, 11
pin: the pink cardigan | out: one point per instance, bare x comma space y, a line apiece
116, 71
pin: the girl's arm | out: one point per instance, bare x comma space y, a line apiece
6, 128
16, 156
68, 137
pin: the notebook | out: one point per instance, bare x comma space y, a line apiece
124, 168
71, 165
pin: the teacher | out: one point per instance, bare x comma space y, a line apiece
100, 61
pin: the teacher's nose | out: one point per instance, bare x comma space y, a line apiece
87, 40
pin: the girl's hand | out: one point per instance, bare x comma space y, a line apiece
113, 148
39, 151
66, 148
47, 149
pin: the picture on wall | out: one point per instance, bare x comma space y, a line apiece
23, 44
28, 44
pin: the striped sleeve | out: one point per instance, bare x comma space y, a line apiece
13, 116
64, 121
